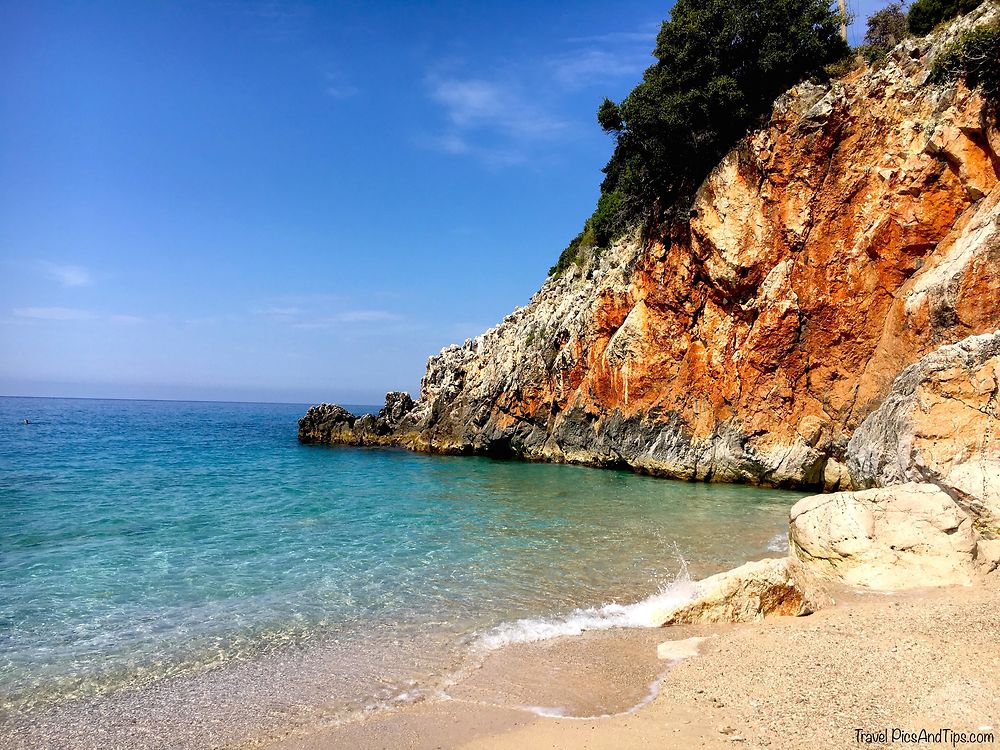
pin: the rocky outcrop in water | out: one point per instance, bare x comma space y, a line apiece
330, 423
853, 235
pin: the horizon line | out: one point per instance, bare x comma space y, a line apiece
180, 400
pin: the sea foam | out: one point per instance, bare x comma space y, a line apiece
646, 613
779, 542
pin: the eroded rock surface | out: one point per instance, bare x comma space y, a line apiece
854, 234
932, 451
751, 592
906, 536
940, 423
330, 423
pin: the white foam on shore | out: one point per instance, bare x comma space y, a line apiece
778, 543
642, 614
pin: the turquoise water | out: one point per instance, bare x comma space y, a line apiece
153, 542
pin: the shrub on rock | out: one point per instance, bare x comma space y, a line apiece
924, 15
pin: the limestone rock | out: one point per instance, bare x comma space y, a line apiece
329, 423
906, 536
745, 594
835, 476
940, 423
988, 557
397, 405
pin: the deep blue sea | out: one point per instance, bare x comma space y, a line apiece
153, 545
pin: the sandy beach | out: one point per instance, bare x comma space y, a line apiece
923, 659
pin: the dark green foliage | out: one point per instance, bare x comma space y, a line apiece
720, 65
886, 29
975, 58
576, 251
610, 219
608, 222
924, 15
609, 116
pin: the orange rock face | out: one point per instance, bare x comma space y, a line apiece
855, 233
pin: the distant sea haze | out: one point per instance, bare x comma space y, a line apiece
164, 545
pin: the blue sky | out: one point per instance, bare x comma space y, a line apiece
289, 201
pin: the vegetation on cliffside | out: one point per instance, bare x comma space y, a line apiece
924, 15
720, 65
885, 29
975, 59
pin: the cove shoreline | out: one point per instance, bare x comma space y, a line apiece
929, 663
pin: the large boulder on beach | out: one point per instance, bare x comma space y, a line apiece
751, 592
988, 558
940, 423
900, 537
926, 467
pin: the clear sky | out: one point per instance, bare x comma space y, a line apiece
289, 201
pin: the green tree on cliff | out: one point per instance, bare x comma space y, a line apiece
886, 28
720, 65
924, 15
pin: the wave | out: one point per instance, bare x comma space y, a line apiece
778, 543
646, 613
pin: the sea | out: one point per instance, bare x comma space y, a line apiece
161, 560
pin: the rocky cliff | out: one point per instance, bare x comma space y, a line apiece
931, 454
854, 234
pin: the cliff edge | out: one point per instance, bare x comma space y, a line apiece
854, 234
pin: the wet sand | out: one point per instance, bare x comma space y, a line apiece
293, 688
927, 659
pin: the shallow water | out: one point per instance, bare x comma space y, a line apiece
167, 547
